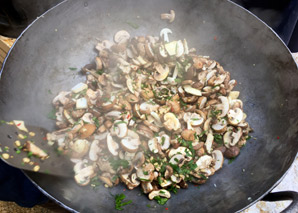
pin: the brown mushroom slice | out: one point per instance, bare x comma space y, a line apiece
188, 134
168, 172
236, 103
165, 183
87, 130
202, 102
161, 193
84, 175
177, 159
113, 146
130, 181
161, 72
235, 116
138, 160
168, 16
236, 136
130, 144
79, 148
208, 143
207, 124
171, 122
31, 147
121, 36
106, 180
149, 51
220, 126
94, 150
147, 187
204, 162
218, 159
153, 145
144, 131
192, 91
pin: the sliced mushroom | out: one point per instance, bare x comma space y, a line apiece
84, 175
87, 130
233, 95
180, 150
193, 119
188, 134
88, 118
235, 116
224, 107
227, 138
94, 150
192, 91
147, 187
236, 136
168, 172
113, 115
112, 145
164, 34
204, 162
176, 179
120, 128
177, 159
145, 131
106, 180
138, 160
145, 174
121, 36
130, 144
148, 107
161, 72
79, 148
201, 102
130, 182
168, 16
218, 159
208, 143
31, 147
164, 141
153, 145
161, 193
220, 126
171, 122
166, 183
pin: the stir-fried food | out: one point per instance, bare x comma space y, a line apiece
151, 113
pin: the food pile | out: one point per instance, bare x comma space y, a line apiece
151, 113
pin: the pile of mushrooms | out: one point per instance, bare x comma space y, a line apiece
151, 113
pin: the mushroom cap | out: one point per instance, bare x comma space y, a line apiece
218, 159
169, 16
161, 193
113, 146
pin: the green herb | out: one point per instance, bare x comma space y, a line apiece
118, 163
29, 154
231, 160
133, 25
161, 200
162, 192
94, 83
173, 188
201, 135
100, 72
182, 103
218, 139
178, 80
52, 114
175, 159
114, 178
145, 172
95, 182
194, 119
96, 121
6, 149
163, 140
50, 92
119, 122
203, 176
2, 122
215, 113
248, 137
159, 180
47, 171
148, 205
143, 179
18, 151
72, 68
118, 201
59, 152
105, 99
155, 134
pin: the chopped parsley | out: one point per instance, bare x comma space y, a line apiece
214, 113
100, 72
248, 137
118, 163
96, 121
119, 201
173, 188
52, 114
72, 68
133, 25
231, 160
161, 200
218, 139
163, 140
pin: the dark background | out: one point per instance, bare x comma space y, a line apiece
280, 15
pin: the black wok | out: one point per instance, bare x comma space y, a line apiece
267, 77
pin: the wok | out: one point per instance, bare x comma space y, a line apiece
267, 76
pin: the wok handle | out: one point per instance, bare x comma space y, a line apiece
284, 195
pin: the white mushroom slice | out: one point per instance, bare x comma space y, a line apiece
176, 179
61, 97
112, 145
180, 150
130, 144
130, 182
129, 84
141, 60
94, 150
68, 117
152, 145
120, 128
166, 183
219, 79
208, 143
83, 176
218, 159
164, 34
113, 115
101, 136
224, 106
191, 90
149, 50
233, 95
236, 103
210, 74
201, 102
20, 125
162, 51
235, 116
171, 48
79, 148
171, 122
207, 124
157, 120
236, 136
220, 125
144, 175
79, 87
78, 166
227, 138
204, 162
148, 107
164, 140
147, 187
129, 155
121, 36
179, 49
194, 119
161, 72
81, 103
177, 159
161, 193
138, 160
88, 118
